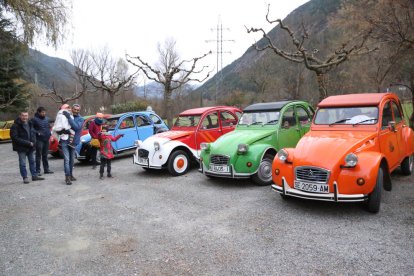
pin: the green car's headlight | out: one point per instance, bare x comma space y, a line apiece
242, 148
205, 146
351, 160
282, 155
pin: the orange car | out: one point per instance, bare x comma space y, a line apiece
354, 144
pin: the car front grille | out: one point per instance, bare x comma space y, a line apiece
143, 153
219, 159
312, 174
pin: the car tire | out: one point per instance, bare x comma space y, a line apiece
178, 163
374, 198
263, 177
407, 165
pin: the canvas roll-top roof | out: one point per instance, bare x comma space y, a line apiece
266, 106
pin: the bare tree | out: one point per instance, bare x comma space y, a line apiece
171, 72
82, 64
311, 57
108, 74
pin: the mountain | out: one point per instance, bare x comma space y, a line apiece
45, 70
264, 76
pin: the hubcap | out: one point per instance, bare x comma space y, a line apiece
180, 163
265, 170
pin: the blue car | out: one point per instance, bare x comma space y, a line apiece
133, 125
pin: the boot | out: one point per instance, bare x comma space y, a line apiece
101, 176
72, 178
36, 178
68, 181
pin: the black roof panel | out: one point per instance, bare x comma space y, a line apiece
266, 106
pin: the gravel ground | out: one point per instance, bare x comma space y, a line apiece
148, 223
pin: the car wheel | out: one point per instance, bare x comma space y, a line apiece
374, 198
178, 163
407, 165
263, 176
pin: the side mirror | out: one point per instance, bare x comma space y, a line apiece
391, 125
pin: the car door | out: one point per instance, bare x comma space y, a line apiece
289, 131
304, 119
388, 138
144, 126
228, 121
157, 122
399, 128
208, 130
125, 126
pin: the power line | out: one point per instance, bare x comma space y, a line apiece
219, 53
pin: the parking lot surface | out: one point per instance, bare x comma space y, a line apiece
149, 223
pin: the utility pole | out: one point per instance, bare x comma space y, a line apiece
219, 54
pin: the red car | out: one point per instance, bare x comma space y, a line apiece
54, 149
175, 149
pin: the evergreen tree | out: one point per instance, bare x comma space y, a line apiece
12, 93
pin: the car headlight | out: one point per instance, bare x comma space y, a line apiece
205, 146
242, 148
351, 160
138, 143
282, 155
156, 146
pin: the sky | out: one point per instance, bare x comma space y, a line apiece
136, 27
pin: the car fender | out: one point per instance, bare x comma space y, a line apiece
284, 168
408, 135
160, 157
367, 169
254, 155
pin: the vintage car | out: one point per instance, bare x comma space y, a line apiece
5, 130
176, 149
354, 144
54, 148
133, 125
263, 129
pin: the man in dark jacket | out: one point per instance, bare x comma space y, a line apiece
41, 125
23, 138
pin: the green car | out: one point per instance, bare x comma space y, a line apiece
263, 129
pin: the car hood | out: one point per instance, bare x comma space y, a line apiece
173, 134
327, 148
229, 141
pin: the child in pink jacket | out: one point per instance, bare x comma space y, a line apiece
107, 152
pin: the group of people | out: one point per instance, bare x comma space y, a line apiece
30, 139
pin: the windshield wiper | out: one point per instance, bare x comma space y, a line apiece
340, 121
363, 121
256, 123
271, 122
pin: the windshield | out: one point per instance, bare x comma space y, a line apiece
260, 118
347, 115
187, 121
111, 122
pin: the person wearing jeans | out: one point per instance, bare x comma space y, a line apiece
41, 125
76, 123
23, 138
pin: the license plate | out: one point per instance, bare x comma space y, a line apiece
312, 187
219, 168
143, 160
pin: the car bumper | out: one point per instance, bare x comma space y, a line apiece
232, 174
285, 189
144, 164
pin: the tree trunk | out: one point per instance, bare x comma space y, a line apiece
111, 100
323, 93
168, 104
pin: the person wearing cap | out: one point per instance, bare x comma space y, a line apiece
76, 123
95, 128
